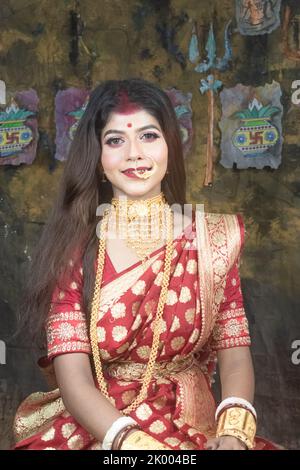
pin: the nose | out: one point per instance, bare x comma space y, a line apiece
134, 150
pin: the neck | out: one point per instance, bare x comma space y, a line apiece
147, 215
124, 200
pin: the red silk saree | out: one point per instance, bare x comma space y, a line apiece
204, 313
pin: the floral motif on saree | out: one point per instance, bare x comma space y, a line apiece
203, 313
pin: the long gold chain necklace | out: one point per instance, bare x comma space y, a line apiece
157, 321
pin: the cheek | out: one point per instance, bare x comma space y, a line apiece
110, 160
160, 152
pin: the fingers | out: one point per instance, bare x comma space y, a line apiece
224, 443
230, 443
212, 444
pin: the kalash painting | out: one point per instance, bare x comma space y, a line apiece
19, 128
251, 126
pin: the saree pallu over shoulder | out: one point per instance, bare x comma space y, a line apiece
220, 238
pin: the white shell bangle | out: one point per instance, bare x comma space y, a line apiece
115, 428
235, 401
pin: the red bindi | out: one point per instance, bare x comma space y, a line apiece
129, 124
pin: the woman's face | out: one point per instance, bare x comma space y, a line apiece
128, 139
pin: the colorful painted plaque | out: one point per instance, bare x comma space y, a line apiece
70, 105
182, 105
257, 16
2, 92
291, 30
251, 126
18, 129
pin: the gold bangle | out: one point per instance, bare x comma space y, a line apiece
143, 441
237, 422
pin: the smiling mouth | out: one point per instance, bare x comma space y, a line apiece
143, 173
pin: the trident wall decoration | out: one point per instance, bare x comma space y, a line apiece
211, 85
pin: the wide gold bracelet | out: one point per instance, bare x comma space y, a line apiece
237, 422
140, 440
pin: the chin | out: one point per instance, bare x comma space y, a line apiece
135, 192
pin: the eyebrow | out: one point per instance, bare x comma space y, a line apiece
116, 131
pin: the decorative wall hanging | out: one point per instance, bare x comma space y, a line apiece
257, 16
211, 85
2, 92
251, 126
69, 107
18, 129
291, 31
182, 105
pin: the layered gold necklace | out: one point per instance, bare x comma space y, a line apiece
136, 211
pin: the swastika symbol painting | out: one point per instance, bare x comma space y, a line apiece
251, 126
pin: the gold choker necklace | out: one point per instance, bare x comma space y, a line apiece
141, 223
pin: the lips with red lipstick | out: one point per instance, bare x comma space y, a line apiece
140, 169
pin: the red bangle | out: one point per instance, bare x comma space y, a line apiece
234, 405
119, 439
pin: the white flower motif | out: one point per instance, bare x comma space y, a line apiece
175, 324
156, 266
139, 287
65, 331
118, 310
143, 412
172, 298
101, 334
185, 294
191, 266
179, 270
119, 333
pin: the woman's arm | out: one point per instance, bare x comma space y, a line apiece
237, 379
236, 373
80, 396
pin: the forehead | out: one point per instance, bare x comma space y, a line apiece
136, 119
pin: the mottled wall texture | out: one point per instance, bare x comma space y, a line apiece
150, 39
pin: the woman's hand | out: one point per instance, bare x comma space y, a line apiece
225, 443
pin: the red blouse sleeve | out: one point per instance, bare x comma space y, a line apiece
66, 326
231, 328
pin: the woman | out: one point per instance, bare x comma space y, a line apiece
133, 331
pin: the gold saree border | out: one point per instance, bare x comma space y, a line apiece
36, 413
196, 402
219, 243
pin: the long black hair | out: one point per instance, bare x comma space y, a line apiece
71, 226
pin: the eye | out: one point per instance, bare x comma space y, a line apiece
114, 141
150, 136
